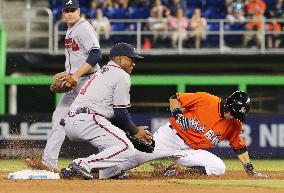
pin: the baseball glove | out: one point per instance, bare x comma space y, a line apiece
141, 145
62, 82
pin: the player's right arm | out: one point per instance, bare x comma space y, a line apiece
122, 118
94, 57
91, 44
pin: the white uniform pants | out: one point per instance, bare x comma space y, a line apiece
114, 147
170, 145
57, 135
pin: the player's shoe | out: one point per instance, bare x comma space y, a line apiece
173, 171
75, 171
39, 164
121, 176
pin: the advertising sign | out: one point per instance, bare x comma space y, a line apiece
26, 135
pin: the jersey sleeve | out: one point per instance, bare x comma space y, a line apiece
235, 138
89, 37
121, 95
189, 99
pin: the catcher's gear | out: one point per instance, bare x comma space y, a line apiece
250, 171
238, 104
141, 145
62, 82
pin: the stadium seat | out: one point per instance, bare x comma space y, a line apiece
118, 27
120, 13
139, 12
56, 13
194, 3
213, 40
234, 40
92, 13
214, 13
189, 11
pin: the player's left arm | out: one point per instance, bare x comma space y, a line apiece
243, 156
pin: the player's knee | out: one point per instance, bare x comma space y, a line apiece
129, 150
218, 169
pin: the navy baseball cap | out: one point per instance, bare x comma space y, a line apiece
66, 4
124, 49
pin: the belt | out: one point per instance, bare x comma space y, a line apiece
83, 110
177, 133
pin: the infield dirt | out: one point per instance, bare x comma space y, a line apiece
138, 183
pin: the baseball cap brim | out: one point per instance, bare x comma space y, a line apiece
136, 56
70, 7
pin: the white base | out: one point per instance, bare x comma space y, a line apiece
34, 175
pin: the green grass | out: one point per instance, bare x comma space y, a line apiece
234, 165
11, 165
238, 183
8, 165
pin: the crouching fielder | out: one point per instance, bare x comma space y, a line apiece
200, 121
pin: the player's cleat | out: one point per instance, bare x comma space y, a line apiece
75, 171
39, 164
121, 176
170, 173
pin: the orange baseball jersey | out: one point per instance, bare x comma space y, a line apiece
208, 127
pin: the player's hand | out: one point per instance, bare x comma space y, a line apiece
251, 172
258, 175
59, 76
144, 134
261, 175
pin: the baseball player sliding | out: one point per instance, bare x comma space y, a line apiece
104, 97
200, 121
82, 52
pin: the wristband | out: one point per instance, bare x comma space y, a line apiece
249, 168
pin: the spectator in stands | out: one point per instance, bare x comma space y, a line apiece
94, 5
107, 8
277, 9
101, 24
274, 39
255, 10
235, 15
177, 4
158, 21
276, 12
140, 3
238, 6
198, 26
178, 26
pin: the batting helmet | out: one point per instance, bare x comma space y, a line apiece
238, 104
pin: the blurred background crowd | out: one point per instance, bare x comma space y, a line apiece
186, 15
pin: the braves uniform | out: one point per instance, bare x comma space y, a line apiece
89, 116
79, 41
187, 147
